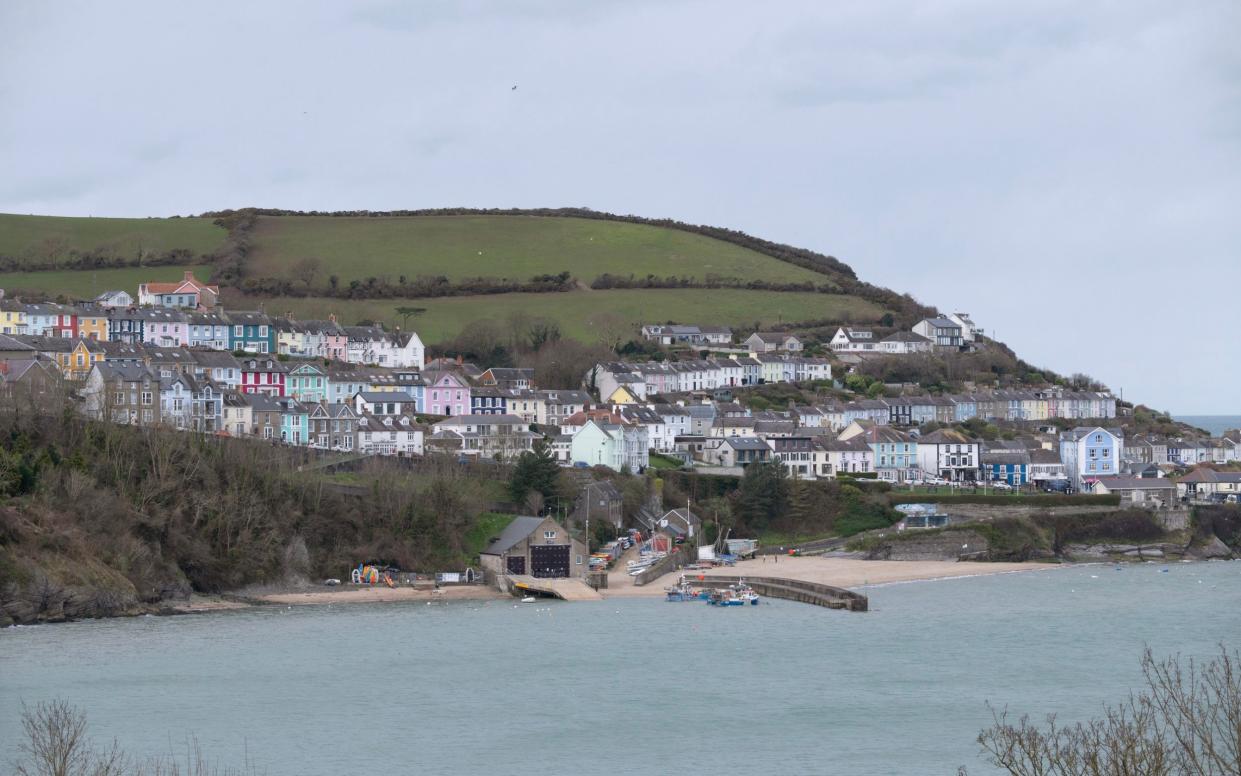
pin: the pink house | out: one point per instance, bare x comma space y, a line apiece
447, 394
166, 328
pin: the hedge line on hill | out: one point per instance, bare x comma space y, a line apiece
909, 309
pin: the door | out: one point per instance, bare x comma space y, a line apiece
549, 560
516, 564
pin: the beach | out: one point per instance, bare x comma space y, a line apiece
837, 572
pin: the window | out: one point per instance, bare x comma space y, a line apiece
239, 331
549, 534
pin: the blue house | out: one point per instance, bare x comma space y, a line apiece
251, 332
1089, 453
1010, 466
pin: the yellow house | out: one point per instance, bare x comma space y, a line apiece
92, 324
621, 396
74, 357
12, 317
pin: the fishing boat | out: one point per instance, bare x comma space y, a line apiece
681, 591
739, 594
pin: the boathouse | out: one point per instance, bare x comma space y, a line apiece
537, 546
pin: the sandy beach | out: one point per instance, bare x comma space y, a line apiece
838, 572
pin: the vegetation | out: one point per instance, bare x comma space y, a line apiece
767, 502
103, 519
586, 316
56, 742
536, 474
1185, 721
48, 242
506, 246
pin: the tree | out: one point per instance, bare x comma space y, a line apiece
536, 470
1185, 722
763, 495
57, 744
307, 270
408, 312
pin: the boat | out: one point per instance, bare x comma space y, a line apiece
528, 599
681, 591
739, 594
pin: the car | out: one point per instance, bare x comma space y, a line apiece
1001, 485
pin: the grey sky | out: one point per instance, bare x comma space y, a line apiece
1067, 172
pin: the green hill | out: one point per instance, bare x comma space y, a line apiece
580, 268
500, 246
52, 239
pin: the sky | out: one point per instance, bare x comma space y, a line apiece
1067, 172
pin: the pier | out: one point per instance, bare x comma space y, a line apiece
790, 590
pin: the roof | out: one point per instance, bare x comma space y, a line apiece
1135, 483
945, 436
10, 343
519, 529
905, 336
746, 443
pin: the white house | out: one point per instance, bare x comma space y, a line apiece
969, 332
387, 434
948, 454
904, 342
616, 446
486, 436
853, 341
373, 345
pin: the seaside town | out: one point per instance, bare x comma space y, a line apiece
171, 357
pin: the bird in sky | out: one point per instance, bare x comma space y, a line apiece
514, 88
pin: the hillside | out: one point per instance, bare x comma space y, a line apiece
501, 246
579, 268
49, 241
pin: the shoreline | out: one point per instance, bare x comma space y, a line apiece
846, 573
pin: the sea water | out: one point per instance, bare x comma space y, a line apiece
1215, 424
623, 686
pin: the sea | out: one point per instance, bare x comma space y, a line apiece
624, 686
1216, 424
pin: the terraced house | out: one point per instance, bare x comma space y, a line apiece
251, 332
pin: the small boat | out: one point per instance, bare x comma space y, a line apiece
528, 599
682, 591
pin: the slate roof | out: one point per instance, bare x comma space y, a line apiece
519, 529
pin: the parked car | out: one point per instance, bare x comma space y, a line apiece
1001, 485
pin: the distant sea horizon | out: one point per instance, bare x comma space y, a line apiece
1216, 424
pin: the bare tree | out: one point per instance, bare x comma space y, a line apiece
56, 744
1186, 722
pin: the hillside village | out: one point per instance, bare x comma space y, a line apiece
171, 357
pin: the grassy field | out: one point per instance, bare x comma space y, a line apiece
38, 236
87, 284
516, 247
581, 313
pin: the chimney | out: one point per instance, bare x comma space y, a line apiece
460, 360
189, 275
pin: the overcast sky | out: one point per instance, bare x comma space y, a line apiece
1067, 172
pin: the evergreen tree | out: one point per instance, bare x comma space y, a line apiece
763, 495
536, 470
